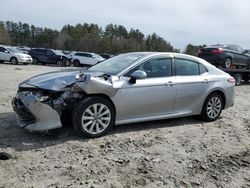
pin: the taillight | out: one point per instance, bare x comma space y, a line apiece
231, 80
217, 51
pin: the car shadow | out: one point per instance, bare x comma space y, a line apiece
12, 136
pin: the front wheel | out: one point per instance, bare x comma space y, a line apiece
212, 107
93, 117
13, 61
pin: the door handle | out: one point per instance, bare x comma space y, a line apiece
205, 81
170, 83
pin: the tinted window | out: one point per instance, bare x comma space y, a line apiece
232, 47
50, 53
186, 68
39, 51
203, 69
155, 68
239, 49
2, 49
77, 54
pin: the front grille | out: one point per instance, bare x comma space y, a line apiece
24, 115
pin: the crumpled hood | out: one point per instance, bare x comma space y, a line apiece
56, 81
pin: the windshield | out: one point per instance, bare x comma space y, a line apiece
116, 64
14, 50
97, 56
57, 52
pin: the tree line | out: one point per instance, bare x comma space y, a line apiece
82, 37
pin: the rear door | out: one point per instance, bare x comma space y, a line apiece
42, 54
50, 56
190, 86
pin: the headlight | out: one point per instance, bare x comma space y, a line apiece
21, 56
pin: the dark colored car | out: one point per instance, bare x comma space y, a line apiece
225, 56
48, 56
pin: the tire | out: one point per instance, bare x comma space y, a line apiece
35, 61
59, 63
213, 101
96, 125
76, 63
228, 63
13, 61
238, 79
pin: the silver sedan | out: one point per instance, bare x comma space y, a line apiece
128, 88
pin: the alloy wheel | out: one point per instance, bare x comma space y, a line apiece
96, 118
228, 63
214, 107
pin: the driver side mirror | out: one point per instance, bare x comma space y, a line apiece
137, 75
6, 51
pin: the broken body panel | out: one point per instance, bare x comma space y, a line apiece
40, 100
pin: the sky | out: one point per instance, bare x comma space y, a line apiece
180, 22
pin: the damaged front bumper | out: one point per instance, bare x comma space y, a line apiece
33, 114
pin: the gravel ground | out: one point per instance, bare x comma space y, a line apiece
181, 152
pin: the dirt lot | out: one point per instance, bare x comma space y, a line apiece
172, 153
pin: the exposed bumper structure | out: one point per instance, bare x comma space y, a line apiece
33, 114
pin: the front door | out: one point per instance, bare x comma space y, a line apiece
153, 96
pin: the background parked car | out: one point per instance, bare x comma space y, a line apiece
11, 54
48, 56
226, 56
23, 49
85, 59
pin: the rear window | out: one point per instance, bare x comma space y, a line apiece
203, 69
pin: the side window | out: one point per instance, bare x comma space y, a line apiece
89, 55
77, 54
155, 68
82, 54
186, 68
50, 53
234, 48
240, 49
203, 69
2, 49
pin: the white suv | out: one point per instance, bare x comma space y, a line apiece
14, 56
85, 58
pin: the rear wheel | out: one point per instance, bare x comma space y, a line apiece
238, 79
76, 63
59, 63
13, 61
35, 60
212, 107
228, 63
93, 117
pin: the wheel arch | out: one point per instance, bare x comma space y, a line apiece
13, 57
101, 95
221, 93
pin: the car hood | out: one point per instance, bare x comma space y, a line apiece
55, 81
23, 54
